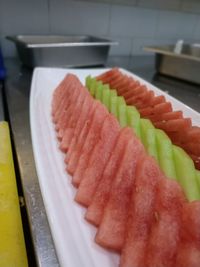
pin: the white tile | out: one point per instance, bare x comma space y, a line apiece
123, 48
140, 43
186, 27
24, 17
175, 25
75, 17
130, 21
168, 24
161, 4
196, 34
191, 6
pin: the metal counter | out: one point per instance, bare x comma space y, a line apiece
17, 89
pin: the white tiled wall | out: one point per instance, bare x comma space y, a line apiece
134, 23
79, 17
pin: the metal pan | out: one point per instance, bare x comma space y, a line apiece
184, 65
61, 50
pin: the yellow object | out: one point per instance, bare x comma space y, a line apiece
12, 245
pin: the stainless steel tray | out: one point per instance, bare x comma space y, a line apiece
62, 51
184, 65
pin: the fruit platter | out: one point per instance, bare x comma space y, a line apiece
118, 163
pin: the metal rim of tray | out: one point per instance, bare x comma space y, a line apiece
163, 51
104, 42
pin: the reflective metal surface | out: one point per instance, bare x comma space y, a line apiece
17, 93
58, 50
184, 65
36, 41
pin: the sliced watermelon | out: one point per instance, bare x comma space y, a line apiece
191, 223
61, 90
111, 233
158, 100
98, 159
192, 147
145, 101
166, 116
165, 233
67, 132
77, 144
188, 256
72, 84
101, 196
87, 110
189, 248
139, 96
57, 94
130, 91
174, 125
64, 105
120, 80
141, 213
89, 143
104, 77
156, 109
131, 84
66, 111
196, 160
193, 134
71, 121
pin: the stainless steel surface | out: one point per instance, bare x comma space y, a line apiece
61, 51
17, 93
184, 65
36, 41
1, 103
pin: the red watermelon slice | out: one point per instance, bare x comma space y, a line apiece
111, 233
66, 95
174, 125
128, 88
86, 112
68, 130
62, 89
135, 90
67, 117
189, 248
66, 108
141, 213
188, 256
165, 233
114, 72
89, 143
98, 159
146, 101
101, 196
166, 116
77, 144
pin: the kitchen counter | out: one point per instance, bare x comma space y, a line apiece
17, 91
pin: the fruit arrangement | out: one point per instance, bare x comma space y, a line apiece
126, 185
173, 160
158, 110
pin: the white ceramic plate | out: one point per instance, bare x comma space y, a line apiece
72, 235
